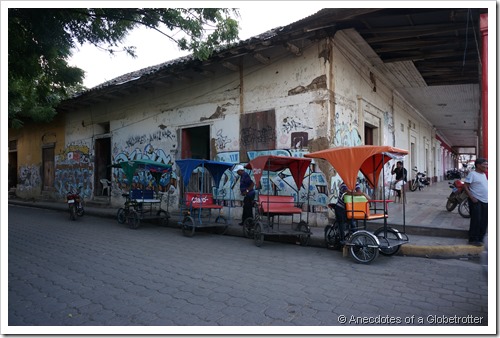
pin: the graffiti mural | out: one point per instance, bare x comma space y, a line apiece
252, 136
143, 180
163, 134
346, 134
74, 169
221, 141
313, 186
292, 124
29, 178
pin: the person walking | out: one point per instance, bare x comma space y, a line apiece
401, 174
476, 187
247, 190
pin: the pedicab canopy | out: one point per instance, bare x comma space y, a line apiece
130, 167
216, 169
296, 165
348, 161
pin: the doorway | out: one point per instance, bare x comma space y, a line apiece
102, 163
48, 171
196, 143
12, 164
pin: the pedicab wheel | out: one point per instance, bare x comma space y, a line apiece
413, 185
258, 237
463, 209
163, 217
221, 229
133, 219
363, 247
332, 236
248, 228
391, 234
188, 226
121, 217
304, 238
451, 203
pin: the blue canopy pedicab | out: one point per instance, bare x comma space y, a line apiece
200, 209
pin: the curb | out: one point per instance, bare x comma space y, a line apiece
426, 251
445, 251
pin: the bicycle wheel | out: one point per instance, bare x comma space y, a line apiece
133, 219
258, 237
413, 185
248, 227
163, 217
306, 233
221, 229
463, 209
188, 226
392, 234
332, 236
363, 247
121, 216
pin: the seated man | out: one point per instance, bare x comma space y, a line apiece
340, 212
401, 177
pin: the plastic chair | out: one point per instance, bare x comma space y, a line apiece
106, 184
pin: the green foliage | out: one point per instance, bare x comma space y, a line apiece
42, 39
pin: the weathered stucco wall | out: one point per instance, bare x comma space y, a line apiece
320, 99
31, 140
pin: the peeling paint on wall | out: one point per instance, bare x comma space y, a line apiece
219, 113
317, 83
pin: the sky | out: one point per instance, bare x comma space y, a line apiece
152, 48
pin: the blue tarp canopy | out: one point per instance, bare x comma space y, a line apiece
215, 168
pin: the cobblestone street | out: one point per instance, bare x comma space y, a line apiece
96, 272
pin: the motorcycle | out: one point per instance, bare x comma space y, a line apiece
457, 196
420, 181
75, 203
453, 174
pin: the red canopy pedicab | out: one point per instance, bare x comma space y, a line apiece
269, 208
363, 245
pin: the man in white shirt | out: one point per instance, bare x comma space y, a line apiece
476, 187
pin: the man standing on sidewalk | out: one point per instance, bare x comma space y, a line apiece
247, 190
476, 187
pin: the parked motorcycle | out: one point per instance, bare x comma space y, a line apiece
75, 203
420, 181
457, 195
453, 174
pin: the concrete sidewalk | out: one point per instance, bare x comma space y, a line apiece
433, 231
